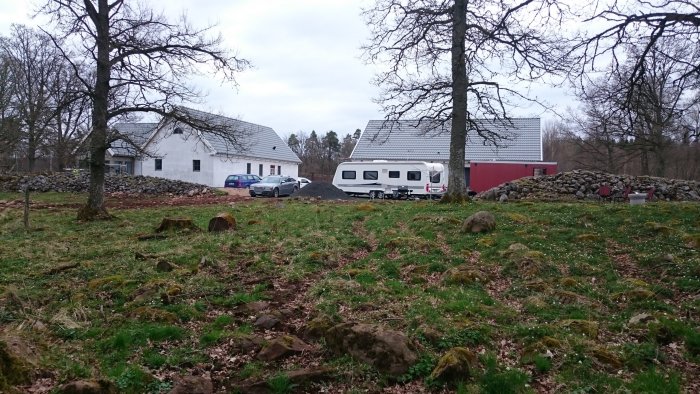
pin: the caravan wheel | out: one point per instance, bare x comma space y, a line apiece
379, 195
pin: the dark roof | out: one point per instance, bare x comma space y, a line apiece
259, 141
412, 140
134, 136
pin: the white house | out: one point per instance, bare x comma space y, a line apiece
176, 151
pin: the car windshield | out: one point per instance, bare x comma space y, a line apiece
271, 179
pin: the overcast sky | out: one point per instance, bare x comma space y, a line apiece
307, 72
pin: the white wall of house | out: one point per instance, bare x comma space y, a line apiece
177, 152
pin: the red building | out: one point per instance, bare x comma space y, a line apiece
483, 175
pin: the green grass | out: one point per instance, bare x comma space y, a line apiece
114, 315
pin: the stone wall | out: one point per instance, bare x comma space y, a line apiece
584, 185
78, 183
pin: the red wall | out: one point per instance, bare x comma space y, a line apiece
485, 175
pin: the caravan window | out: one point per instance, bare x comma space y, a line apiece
370, 175
394, 174
413, 175
434, 177
349, 175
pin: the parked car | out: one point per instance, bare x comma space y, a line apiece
275, 186
241, 180
303, 182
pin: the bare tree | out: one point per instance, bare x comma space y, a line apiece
625, 118
9, 127
72, 118
33, 62
489, 44
643, 24
140, 64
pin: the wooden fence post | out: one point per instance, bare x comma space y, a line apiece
26, 207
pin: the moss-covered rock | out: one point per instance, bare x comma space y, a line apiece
14, 367
153, 314
283, 346
458, 363
480, 222
544, 345
585, 327
113, 281
638, 294
606, 357
465, 276
318, 327
389, 351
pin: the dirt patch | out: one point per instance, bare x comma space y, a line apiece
322, 191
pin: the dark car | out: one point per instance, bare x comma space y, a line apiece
275, 186
241, 180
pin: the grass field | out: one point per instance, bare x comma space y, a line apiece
592, 297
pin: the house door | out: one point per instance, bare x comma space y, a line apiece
467, 176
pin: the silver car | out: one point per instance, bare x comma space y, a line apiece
275, 186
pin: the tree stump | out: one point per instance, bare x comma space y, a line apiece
222, 222
177, 224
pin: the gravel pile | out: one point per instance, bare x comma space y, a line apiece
584, 185
322, 191
122, 184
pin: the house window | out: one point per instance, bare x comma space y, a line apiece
413, 175
195, 165
279, 170
272, 169
159, 164
370, 175
177, 130
539, 171
394, 174
349, 175
260, 170
247, 168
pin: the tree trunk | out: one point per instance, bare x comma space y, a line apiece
457, 190
644, 161
95, 207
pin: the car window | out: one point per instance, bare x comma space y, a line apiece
232, 178
271, 179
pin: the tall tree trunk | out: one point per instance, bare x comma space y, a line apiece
95, 207
31, 155
644, 161
457, 190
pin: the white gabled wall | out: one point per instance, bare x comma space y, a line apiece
177, 152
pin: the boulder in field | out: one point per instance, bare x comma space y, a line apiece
223, 221
283, 346
457, 363
389, 351
480, 222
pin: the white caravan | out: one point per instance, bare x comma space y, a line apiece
391, 179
